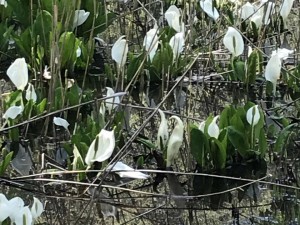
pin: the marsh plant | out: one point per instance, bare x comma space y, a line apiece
82, 74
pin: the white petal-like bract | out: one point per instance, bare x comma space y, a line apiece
233, 41
119, 51
247, 10
163, 133
37, 208
61, 122
177, 44
253, 115
151, 42
101, 148
18, 73
127, 171
175, 141
12, 112
173, 17
207, 7
80, 17
213, 129
111, 103
30, 93
286, 8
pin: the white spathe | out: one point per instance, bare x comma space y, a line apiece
80, 17
61, 122
177, 44
46, 73
213, 129
247, 10
23, 217
4, 209
119, 51
286, 8
3, 2
175, 141
233, 41
253, 115
126, 171
18, 73
151, 42
30, 93
273, 69
282, 53
163, 133
101, 148
111, 103
173, 17
12, 112
16, 205
207, 7
37, 208
202, 126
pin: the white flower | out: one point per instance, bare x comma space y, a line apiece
37, 208
4, 209
30, 93
247, 10
12, 112
3, 2
163, 133
119, 52
262, 15
78, 52
202, 126
177, 44
273, 69
173, 17
207, 7
282, 53
16, 205
233, 41
80, 17
286, 8
111, 103
126, 171
253, 115
175, 141
151, 42
18, 73
46, 73
61, 122
23, 217
213, 129
101, 148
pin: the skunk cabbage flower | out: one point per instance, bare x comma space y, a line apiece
46, 73
126, 171
111, 103
177, 44
286, 8
213, 129
247, 10
151, 42
61, 122
4, 208
202, 126
207, 6
282, 53
3, 2
175, 140
12, 112
30, 93
80, 17
173, 17
101, 148
163, 134
119, 52
36, 209
18, 73
22, 217
253, 115
233, 41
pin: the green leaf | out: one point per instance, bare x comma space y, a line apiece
68, 45
73, 95
262, 143
252, 62
197, 142
134, 64
239, 70
283, 138
220, 154
238, 140
5, 163
40, 108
